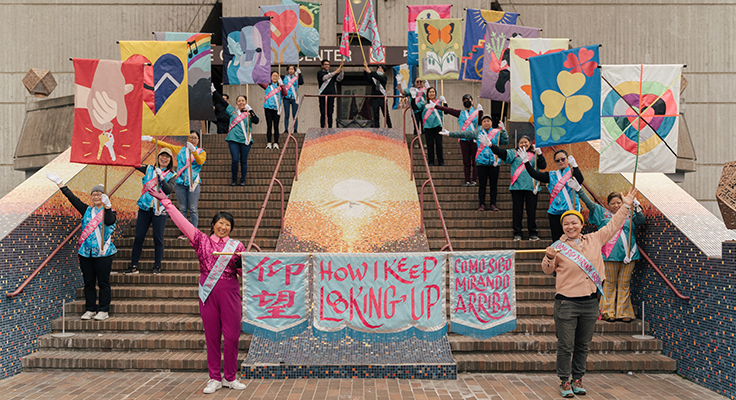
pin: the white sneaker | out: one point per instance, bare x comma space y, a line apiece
101, 316
276, 146
212, 386
234, 385
88, 315
268, 146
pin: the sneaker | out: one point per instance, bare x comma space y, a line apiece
565, 390
517, 238
494, 208
268, 146
242, 183
234, 385
276, 146
577, 387
182, 237
533, 238
131, 270
88, 315
212, 386
467, 184
474, 183
156, 270
102, 315
482, 207
234, 183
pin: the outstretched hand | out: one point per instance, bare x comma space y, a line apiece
157, 194
523, 155
630, 196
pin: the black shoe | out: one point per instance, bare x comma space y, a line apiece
442, 163
131, 270
431, 163
286, 131
156, 270
235, 183
242, 183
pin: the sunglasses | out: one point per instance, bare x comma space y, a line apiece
560, 159
418, 81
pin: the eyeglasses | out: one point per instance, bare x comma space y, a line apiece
418, 81
558, 160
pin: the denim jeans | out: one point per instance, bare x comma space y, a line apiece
188, 201
290, 104
143, 221
239, 151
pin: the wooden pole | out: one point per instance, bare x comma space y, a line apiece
360, 42
105, 179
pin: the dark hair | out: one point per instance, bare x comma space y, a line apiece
222, 215
243, 96
560, 151
291, 66
225, 96
523, 137
614, 195
324, 61
199, 135
275, 72
435, 91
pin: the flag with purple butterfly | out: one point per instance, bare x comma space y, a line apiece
495, 83
475, 33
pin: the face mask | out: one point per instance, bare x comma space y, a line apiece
467, 103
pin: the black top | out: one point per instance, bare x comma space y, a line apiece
223, 119
544, 176
330, 88
165, 185
501, 153
110, 216
375, 90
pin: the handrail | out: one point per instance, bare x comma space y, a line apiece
66, 240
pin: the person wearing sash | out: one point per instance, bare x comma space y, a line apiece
150, 211
618, 256
414, 94
577, 263
223, 119
378, 81
523, 188
326, 81
95, 247
240, 134
432, 124
272, 108
189, 159
292, 80
468, 119
219, 292
561, 194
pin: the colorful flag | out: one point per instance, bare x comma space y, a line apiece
521, 90
166, 97
348, 27
284, 22
495, 84
439, 48
107, 112
422, 12
473, 45
366, 28
199, 74
307, 33
407, 74
639, 109
245, 57
565, 94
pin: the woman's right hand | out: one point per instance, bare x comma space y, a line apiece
630, 196
550, 253
54, 178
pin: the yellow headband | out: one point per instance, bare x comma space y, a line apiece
572, 212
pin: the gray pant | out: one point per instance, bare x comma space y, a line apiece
575, 323
188, 201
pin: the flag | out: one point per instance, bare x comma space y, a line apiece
107, 112
199, 71
521, 90
245, 56
407, 74
284, 22
566, 88
439, 48
366, 28
473, 44
422, 12
348, 27
639, 109
166, 94
307, 32
495, 83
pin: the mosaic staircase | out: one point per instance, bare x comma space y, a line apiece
155, 323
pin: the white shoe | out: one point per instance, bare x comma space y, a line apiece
276, 146
101, 316
268, 146
212, 386
234, 385
88, 315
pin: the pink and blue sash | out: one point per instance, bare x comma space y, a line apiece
217, 270
582, 262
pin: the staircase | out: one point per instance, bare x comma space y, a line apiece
155, 323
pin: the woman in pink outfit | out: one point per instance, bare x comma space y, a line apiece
219, 291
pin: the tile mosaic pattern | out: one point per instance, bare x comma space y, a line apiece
434, 372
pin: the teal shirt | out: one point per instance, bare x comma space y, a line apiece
237, 134
435, 116
600, 217
524, 181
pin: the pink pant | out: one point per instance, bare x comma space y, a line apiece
222, 316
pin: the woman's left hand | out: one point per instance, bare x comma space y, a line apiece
156, 194
630, 196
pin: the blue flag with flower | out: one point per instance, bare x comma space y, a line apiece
566, 96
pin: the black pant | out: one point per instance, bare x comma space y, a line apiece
96, 269
142, 222
377, 105
272, 120
487, 173
555, 226
469, 148
519, 198
330, 109
418, 118
434, 141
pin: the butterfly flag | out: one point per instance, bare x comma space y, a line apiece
407, 74
473, 45
640, 105
107, 112
245, 56
520, 49
439, 48
422, 12
307, 32
284, 22
565, 95
199, 72
348, 27
166, 94
496, 81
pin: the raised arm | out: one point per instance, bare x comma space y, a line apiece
501, 153
200, 156
588, 202
76, 203
538, 175
452, 111
605, 233
181, 222
174, 148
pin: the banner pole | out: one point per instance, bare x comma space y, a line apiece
360, 42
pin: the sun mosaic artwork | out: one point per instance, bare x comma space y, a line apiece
354, 194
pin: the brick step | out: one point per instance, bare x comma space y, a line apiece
480, 223
130, 307
489, 244
473, 213
506, 363
135, 342
172, 233
148, 361
547, 343
480, 233
133, 323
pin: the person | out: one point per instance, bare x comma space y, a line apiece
468, 120
96, 249
576, 261
523, 189
326, 81
415, 94
561, 194
292, 80
222, 118
618, 256
485, 161
219, 292
190, 159
272, 108
378, 88
240, 134
432, 124
150, 210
